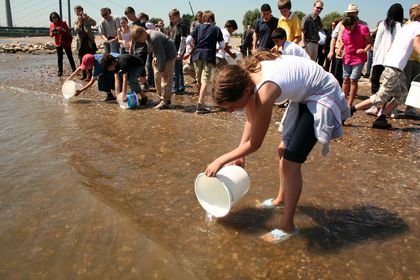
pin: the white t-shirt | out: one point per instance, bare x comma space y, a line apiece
383, 42
290, 48
302, 80
226, 37
402, 47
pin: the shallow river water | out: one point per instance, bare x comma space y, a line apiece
90, 191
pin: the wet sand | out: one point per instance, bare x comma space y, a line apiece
91, 191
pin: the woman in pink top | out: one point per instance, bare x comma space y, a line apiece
356, 42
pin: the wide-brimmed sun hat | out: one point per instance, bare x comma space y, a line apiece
352, 8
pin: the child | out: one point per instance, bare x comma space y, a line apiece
62, 36
127, 69
394, 84
164, 55
124, 35
230, 27
105, 79
204, 38
317, 109
282, 46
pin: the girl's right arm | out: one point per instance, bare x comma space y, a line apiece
74, 74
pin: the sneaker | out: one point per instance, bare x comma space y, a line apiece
110, 97
162, 105
373, 111
411, 113
201, 109
381, 123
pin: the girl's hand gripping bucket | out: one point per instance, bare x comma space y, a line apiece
217, 195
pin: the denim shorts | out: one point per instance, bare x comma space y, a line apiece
353, 71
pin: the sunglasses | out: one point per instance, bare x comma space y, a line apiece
319, 8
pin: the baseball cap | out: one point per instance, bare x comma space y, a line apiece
87, 60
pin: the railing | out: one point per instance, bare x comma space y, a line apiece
26, 31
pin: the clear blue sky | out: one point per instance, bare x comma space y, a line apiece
36, 12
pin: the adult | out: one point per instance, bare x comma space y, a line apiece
164, 55
337, 42
263, 29
311, 24
85, 39
315, 113
289, 21
108, 28
62, 39
357, 43
385, 35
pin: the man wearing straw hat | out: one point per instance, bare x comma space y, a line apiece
336, 41
394, 85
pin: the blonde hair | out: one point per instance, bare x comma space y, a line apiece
232, 80
136, 32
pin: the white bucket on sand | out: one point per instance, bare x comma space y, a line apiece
217, 195
413, 97
231, 60
69, 88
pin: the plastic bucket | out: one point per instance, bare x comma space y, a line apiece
413, 97
217, 195
69, 88
131, 103
231, 60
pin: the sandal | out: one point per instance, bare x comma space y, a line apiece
278, 235
268, 204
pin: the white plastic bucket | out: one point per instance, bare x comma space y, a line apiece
231, 60
413, 97
69, 88
217, 195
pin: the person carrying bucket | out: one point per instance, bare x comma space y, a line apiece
127, 69
105, 79
316, 111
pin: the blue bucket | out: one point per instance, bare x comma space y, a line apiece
132, 100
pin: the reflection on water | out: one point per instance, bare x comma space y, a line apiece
90, 190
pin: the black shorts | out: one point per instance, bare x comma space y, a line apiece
303, 139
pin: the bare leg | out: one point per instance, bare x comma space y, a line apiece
293, 189
353, 90
346, 86
203, 92
280, 196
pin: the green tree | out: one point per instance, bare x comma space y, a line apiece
250, 18
299, 14
187, 19
328, 18
155, 20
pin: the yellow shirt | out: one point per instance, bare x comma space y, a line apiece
291, 25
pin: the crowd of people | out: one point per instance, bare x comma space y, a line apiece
316, 70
